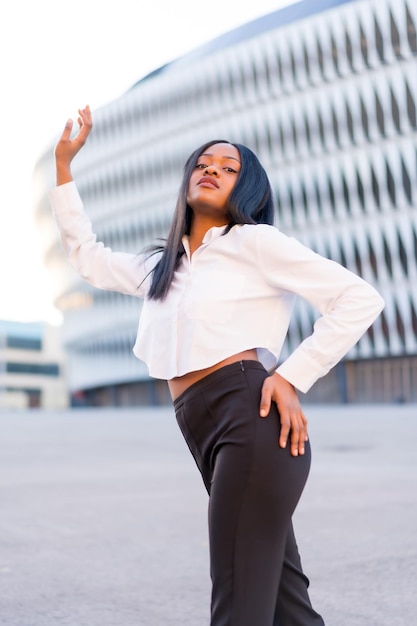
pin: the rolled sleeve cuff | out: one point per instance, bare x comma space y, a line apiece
301, 371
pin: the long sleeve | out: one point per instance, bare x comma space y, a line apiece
95, 263
348, 305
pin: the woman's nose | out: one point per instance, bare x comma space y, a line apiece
210, 169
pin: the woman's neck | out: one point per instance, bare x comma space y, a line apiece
199, 226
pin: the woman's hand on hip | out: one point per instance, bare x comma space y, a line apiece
68, 147
293, 421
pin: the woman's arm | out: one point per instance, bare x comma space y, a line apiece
94, 262
348, 306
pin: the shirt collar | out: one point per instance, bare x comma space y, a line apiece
213, 233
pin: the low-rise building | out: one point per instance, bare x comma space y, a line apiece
32, 366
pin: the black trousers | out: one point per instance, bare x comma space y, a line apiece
254, 486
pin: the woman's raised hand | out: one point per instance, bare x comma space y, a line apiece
68, 147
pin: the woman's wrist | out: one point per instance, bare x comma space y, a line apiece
63, 173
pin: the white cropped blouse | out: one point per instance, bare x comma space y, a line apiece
235, 293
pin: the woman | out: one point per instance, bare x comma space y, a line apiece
217, 304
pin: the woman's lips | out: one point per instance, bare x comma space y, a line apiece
208, 182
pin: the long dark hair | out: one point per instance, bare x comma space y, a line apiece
250, 202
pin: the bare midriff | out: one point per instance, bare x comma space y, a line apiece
178, 385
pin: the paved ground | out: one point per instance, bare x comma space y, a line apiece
103, 519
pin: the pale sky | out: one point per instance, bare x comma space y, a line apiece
56, 57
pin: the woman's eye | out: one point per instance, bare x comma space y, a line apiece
201, 166
230, 170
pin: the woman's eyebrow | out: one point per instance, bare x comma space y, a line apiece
224, 157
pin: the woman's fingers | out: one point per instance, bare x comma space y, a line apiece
292, 419
85, 123
66, 133
68, 146
298, 433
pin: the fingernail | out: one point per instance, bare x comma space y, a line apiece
263, 413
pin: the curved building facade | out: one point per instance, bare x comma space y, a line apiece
328, 101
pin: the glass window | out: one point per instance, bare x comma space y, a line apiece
321, 129
384, 327
402, 254
335, 126
395, 112
306, 61
365, 120
320, 57
307, 130
411, 107
349, 122
379, 40
400, 325
343, 259
390, 184
364, 45
372, 258
293, 66
395, 36
24, 343
304, 197
413, 319
375, 189
379, 114
387, 257
411, 31
318, 198
415, 244
332, 197
349, 49
360, 190
45, 369
346, 193
358, 260
335, 54
408, 189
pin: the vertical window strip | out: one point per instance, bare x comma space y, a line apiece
349, 50
335, 54
402, 254
395, 111
390, 181
411, 107
411, 30
364, 46
395, 36
379, 111
387, 256
406, 181
375, 189
379, 40
373, 263
400, 325
413, 318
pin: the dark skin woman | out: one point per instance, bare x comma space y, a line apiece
217, 302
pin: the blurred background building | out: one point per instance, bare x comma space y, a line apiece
325, 92
32, 366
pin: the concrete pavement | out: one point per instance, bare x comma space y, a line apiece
103, 519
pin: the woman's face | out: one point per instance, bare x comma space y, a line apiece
213, 179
